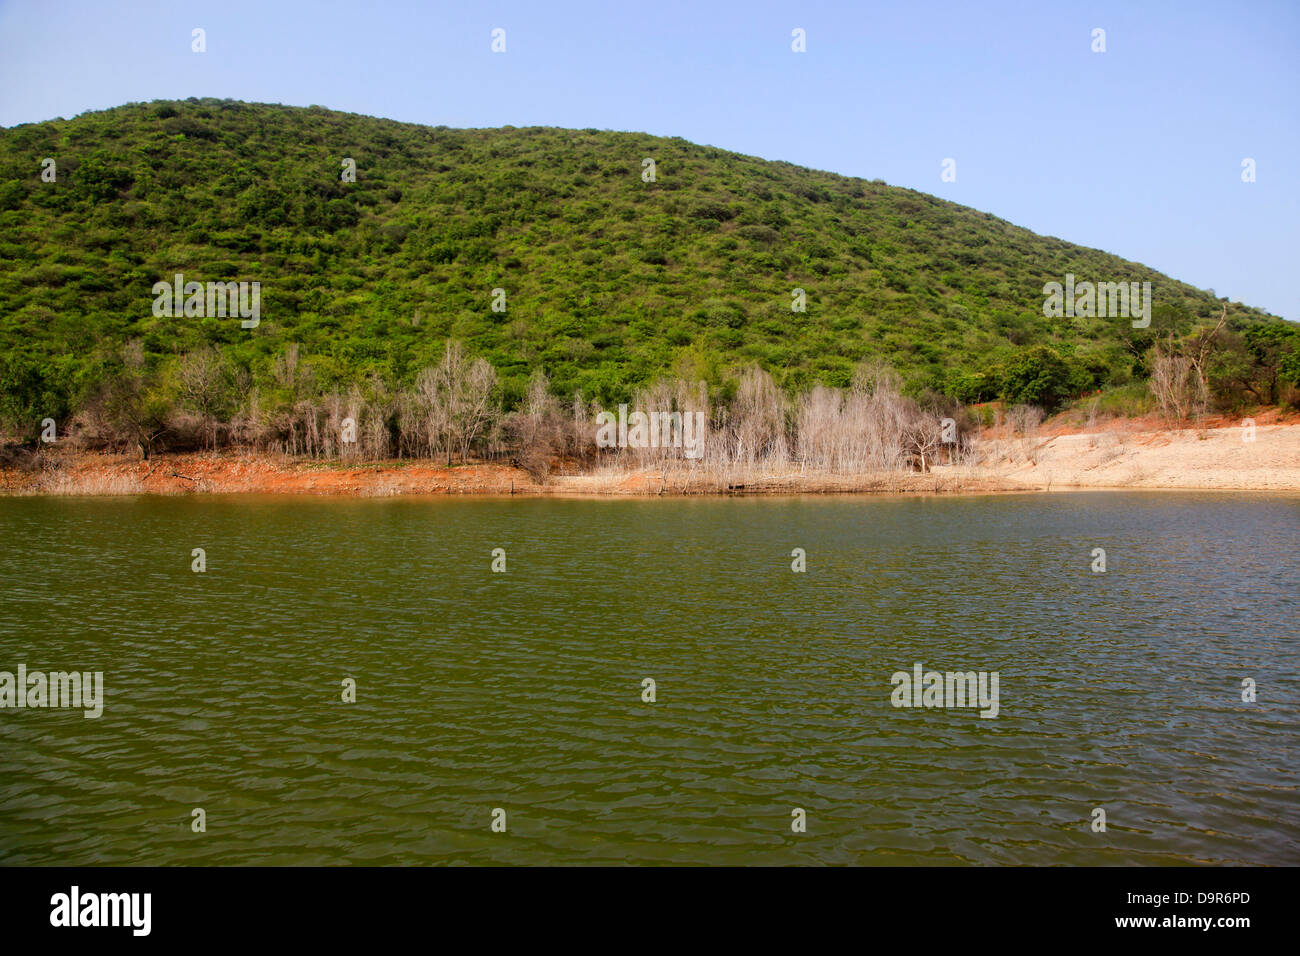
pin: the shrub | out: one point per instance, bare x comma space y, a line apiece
1038, 376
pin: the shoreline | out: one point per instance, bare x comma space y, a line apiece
1115, 458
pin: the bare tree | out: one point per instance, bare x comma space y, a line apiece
203, 380
536, 429
921, 440
1024, 419
457, 402
868, 427
1178, 373
433, 412
475, 409
756, 420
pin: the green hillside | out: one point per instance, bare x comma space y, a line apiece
610, 281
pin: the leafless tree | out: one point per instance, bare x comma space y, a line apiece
456, 400
537, 429
1178, 373
756, 420
203, 382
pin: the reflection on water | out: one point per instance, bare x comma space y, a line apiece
523, 690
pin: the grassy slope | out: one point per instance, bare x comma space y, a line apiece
610, 280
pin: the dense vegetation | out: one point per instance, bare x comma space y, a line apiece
611, 282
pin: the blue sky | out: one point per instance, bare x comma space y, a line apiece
1136, 150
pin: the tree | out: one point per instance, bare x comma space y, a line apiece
1250, 367
1269, 346
1176, 382
23, 395
104, 176
1039, 376
537, 429
757, 419
458, 401
1178, 372
134, 405
1289, 368
203, 383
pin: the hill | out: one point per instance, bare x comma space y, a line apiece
610, 281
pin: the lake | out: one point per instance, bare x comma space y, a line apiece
525, 690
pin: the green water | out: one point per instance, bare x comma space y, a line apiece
523, 690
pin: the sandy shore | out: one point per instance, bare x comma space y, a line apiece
1126, 458
1119, 456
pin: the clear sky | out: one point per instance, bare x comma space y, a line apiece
1137, 150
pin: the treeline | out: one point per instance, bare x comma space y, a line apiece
456, 410
1226, 366
453, 412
